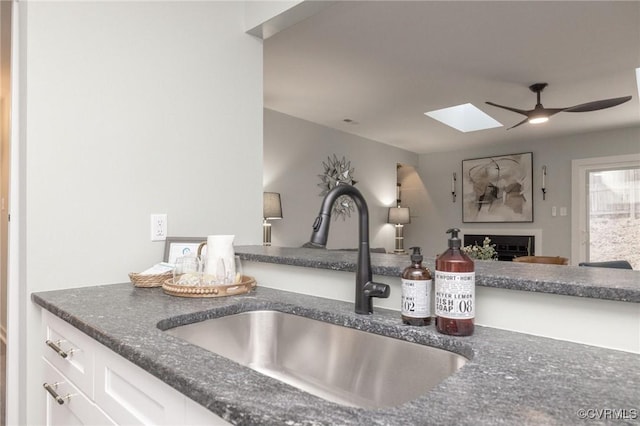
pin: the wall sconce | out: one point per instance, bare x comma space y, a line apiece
544, 183
271, 209
453, 187
399, 216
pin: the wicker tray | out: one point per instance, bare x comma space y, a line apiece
245, 285
149, 280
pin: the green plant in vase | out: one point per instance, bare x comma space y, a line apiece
486, 251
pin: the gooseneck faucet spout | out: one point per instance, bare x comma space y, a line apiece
366, 289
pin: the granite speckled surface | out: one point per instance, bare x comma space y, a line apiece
599, 283
511, 378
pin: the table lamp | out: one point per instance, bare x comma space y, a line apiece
399, 216
271, 209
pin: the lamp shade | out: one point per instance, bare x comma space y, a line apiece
399, 215
271, 206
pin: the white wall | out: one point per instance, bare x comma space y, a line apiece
436, 212
129, 109
294, 150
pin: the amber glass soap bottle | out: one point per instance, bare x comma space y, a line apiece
455, 282
416, 291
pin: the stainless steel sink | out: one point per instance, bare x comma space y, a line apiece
340, 364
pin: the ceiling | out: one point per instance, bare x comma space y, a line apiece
383, 64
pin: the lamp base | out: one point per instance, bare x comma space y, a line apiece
399, 249
266, 233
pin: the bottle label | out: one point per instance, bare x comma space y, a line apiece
416, 295
455, 294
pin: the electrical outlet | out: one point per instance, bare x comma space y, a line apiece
158, 227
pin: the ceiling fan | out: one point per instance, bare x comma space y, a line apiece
541, 114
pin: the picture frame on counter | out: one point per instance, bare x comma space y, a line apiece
498, 189
175, 247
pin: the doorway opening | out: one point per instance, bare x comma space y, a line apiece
6, 10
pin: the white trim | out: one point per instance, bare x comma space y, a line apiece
579, 169
16, 292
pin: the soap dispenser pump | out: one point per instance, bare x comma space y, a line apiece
416, 291
455, 285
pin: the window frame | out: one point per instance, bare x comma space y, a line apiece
579, 196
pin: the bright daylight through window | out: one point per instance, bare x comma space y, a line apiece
614, 215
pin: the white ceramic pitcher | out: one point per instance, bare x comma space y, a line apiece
220, 257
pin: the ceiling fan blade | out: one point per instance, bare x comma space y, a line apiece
522, 122
596, 105
553, 111
519, 111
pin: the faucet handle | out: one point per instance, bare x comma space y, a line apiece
317, 223
373, 289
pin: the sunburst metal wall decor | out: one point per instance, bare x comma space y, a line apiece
335, 172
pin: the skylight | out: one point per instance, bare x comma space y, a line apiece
465, 118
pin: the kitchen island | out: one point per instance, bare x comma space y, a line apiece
571, 303
597, 283
511, 378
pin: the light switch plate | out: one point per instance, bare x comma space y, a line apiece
563, 211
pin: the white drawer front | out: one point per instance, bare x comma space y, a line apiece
103, 383
66, 404
70, 351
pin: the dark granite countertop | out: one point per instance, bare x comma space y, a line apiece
599, 283
511, 378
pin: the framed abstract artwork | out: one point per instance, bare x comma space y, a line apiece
498, 189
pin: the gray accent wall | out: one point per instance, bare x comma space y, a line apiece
434, 212
294, 151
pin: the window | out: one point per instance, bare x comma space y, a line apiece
606, 211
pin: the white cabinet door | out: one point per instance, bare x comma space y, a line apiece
132, 396
196, 415
105, 388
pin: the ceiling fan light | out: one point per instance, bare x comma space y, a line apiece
539, 119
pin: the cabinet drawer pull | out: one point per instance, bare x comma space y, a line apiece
55, 346
51, 388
